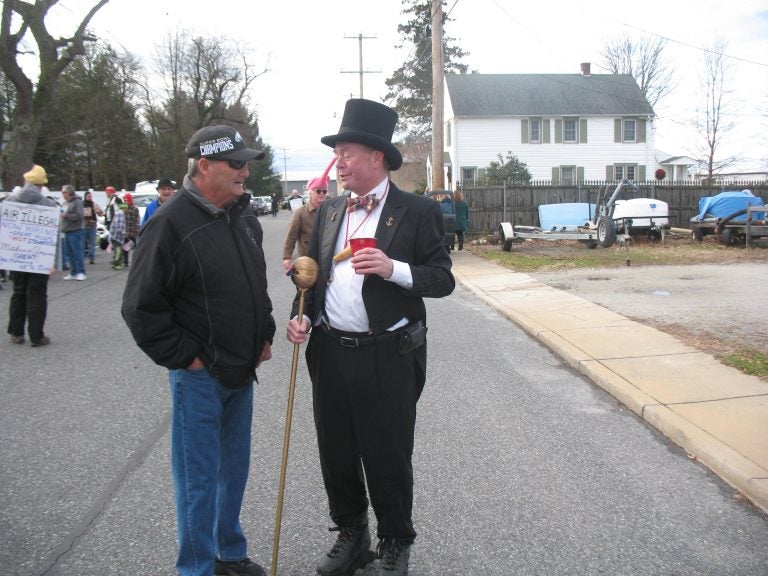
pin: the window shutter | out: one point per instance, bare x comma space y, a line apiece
641, 173
555, 175
641, 130
580, 174
617, 130
545, 124
583, 130
609, 173
524, 131
558, 131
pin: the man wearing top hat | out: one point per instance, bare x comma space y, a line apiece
367, 347
198, 271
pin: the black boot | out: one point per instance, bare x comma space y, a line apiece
394, 557
351, 551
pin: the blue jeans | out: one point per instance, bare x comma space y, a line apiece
210, 452
90, 242
73, 251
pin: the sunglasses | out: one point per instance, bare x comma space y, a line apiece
323, 192
234, 164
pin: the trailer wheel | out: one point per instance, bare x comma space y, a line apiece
606, 232
698, 234
507, 246
727, 237
591, 244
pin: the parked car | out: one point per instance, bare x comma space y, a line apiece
261, 204
445, 198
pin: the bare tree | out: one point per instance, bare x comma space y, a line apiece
33, 96
205, 80
642, 58
712, 121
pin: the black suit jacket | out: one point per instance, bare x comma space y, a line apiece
410, 230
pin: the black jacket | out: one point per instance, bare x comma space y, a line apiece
410, 229
198, 287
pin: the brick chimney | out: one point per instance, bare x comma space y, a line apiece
585, 69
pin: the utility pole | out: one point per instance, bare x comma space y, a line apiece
360, 70
437, 95
285, 174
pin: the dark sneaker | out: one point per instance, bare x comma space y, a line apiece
240, 568
351, 551
17, 339
394, 557
44, 341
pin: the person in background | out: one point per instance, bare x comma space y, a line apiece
303, 218
462, 216
367, 354
196, 302
275, 208
132, 218
117, 235
91, 214
29, 301
72, 227
111, 207
165, 189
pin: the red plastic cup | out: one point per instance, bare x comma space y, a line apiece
358, 243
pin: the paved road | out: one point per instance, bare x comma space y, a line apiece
522, 466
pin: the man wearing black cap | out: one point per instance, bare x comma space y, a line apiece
199, 270
367, 350
165, 189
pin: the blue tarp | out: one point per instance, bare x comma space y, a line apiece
726, 203
568, 214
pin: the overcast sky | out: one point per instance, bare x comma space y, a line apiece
312, 52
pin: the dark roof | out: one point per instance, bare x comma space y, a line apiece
545, 95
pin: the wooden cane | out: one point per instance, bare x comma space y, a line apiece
304, 275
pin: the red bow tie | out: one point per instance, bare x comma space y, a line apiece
369, 202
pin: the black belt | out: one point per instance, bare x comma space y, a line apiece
359, 339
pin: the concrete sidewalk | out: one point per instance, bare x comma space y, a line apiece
714, 412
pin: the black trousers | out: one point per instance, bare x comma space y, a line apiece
29, 304
364, 401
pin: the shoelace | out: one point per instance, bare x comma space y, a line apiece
346, 535
388, 550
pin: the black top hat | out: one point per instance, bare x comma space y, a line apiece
220, 142
370, 123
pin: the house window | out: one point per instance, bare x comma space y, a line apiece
630, 130
468, 176
534, 125
627, 171
567, 174
570, 129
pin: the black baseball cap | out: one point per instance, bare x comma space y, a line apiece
221, 142
164, 182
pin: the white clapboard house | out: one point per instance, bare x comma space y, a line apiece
567, 128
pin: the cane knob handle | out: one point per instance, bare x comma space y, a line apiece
304, 272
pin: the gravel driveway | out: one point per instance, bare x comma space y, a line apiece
712, 306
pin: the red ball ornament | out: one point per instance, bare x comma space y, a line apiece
660, 174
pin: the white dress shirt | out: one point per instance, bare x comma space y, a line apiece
344, 308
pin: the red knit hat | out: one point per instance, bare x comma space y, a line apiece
128, 199
322, 182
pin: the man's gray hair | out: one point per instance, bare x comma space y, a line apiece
192, 167
68, 188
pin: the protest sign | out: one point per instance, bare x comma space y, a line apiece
28, 237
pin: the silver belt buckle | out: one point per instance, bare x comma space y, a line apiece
348, 341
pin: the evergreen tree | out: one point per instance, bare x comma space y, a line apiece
410, 86
511, 169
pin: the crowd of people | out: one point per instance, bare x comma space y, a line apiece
198, 269
79, 219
